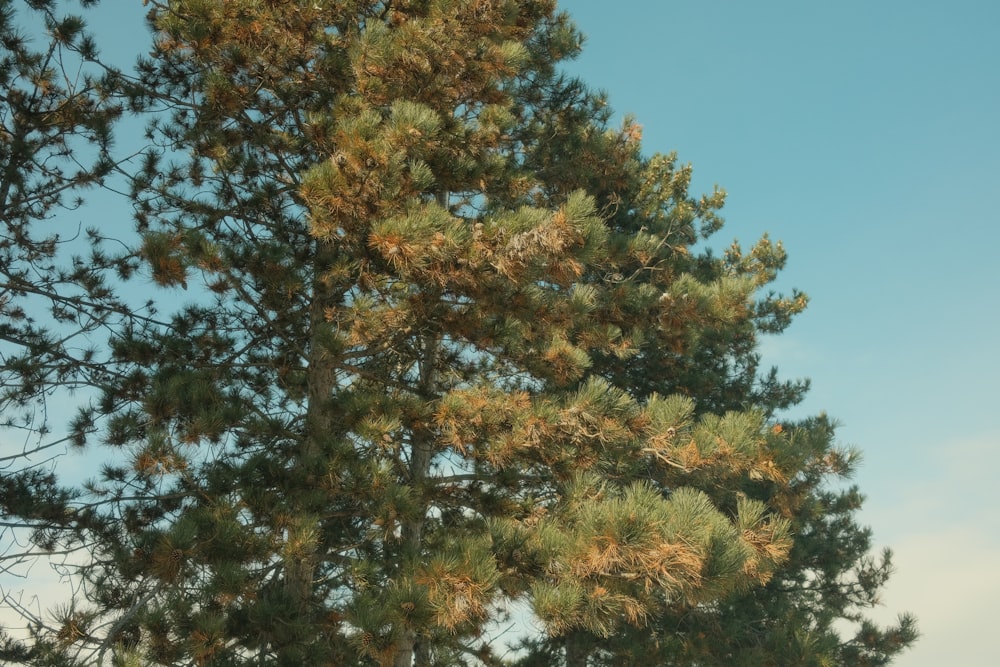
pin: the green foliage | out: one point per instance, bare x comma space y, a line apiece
55, 134
449, 344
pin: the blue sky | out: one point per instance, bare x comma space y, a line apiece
866, 136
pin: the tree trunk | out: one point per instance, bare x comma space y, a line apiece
408, 653
301, 557
577, 650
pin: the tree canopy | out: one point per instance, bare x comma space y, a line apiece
433, 345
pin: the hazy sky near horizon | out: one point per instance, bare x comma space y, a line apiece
866, 136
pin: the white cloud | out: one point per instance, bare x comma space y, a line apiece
943, 530
948, 579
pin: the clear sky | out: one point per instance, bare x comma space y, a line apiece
865, 134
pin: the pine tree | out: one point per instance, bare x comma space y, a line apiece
55, 134
389, 394
58, 299
447, 346
830, 575
57, 111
